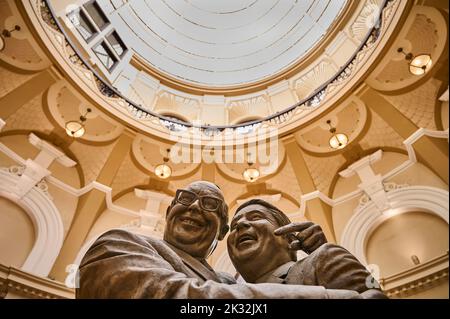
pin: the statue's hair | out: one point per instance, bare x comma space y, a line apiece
279, 216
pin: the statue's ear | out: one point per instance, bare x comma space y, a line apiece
223, 232
168, 210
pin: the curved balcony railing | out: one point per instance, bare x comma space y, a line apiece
314, 100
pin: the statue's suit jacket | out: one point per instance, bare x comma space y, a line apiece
121, 264
330, 266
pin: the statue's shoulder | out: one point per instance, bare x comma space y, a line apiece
330, 248
326, 252
329, 254
118, 234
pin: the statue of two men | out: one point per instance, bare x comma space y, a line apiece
262, 245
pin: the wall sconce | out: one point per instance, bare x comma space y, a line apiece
337, 140
7, 34
418, 65
76, 128
163, 170
250, 174
415, 260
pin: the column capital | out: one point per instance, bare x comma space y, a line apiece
371, 183
36, 169
361, 164
51, 153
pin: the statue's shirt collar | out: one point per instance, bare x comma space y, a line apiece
199, 266
277, 275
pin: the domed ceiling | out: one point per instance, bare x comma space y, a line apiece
224, 43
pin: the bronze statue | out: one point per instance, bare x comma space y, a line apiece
121, 264
262, 246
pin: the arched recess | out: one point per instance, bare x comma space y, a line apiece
15, 227
368, 217
49, 230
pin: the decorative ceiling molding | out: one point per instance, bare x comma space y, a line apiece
349, 117
65, 104
122, 109
149, 153
424, 32
21, 50
273, 9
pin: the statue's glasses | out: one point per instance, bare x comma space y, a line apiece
206, 202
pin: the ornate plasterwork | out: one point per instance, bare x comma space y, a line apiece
388, 187
403, 200
46, 220
91, 158
425, 32
150, 123
149, 154
380, 134
26, 285
318, 165
11, 80
349, 118
21, 51
65, 104
30, 117
417, 279
128, 176
419, 104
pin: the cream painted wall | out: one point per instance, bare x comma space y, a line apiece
108, 220
15, 227
419, 174
6, 161
131, 201
66, 204
20, 145
342, 214
393, 243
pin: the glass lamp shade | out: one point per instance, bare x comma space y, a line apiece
338, 141
75, 129
163, 171
420, 64
251, 174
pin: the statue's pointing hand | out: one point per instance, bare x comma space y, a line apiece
305, 236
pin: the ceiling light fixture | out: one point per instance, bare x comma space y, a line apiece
419, 64
7, 34
251, 174
337, 140
163, 170
76, 128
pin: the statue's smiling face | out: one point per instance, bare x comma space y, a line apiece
190, 227
252, 236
